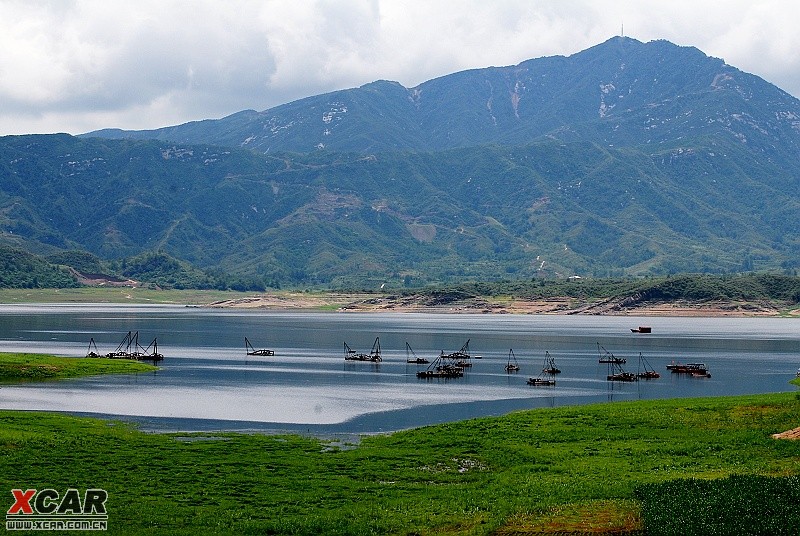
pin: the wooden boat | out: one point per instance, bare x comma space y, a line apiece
608, 357
123, 351
447, 371
617, 374
94, 352
622, 377
463, 353
642, 329
442, 367
646, 371
374, 355
130, 348
252, 351
541, 382
547, 376
693, 369
414, 359
512, 365
460, 358
550, 365
151, 352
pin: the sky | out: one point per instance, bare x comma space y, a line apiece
79, 65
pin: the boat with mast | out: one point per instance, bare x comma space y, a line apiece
443, 366
548, 375
646, 371
129, 348
542, 380
617, 374
462, 357
374, 355
608, 357
550, 365
249, 350
415, 359
512, 365
698, 370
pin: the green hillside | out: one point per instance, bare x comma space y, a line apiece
541, 210
625, 159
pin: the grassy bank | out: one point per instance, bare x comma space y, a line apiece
114, 295
571, 469
38, 367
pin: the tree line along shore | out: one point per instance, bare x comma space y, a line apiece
685, 295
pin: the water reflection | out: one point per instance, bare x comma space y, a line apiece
208, 382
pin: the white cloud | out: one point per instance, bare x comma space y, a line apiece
80, 65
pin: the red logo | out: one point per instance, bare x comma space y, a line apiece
22, 501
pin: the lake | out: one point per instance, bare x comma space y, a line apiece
207, 382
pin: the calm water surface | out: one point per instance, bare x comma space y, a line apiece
208, 383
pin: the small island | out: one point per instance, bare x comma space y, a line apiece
25, 367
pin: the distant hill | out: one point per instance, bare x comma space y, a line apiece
20, 269
626, 158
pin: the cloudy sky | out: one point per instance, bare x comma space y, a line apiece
78, 65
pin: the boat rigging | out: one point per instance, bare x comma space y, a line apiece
374, 355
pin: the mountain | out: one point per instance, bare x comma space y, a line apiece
626, 158
621, 92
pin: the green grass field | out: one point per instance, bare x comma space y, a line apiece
570, 470
101, 295
38, 367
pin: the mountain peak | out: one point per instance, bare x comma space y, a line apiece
625, 158
620, 91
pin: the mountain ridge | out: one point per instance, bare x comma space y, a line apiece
507, 105
625, 158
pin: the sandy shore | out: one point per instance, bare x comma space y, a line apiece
497, 305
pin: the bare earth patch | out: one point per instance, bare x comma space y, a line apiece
422, 303
788, 434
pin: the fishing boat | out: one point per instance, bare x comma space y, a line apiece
124, 350
442, 367
642, 329
541, 382
463, 353
130, 348
460, 358
94, 352
550, 365
249, 350
547, 376
151, 353
698, 370
646, 371
608, 357
512, 365
617, 374
415, 359
374, 355
447, 371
